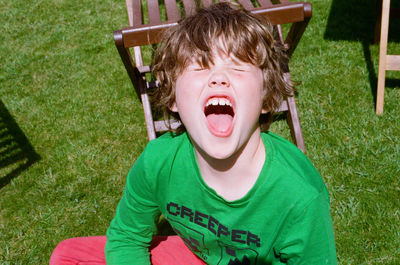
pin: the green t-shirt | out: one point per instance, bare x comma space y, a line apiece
283, 219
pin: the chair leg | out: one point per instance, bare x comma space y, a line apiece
292, 118
294, 124
382, 57
381, 87
148, 116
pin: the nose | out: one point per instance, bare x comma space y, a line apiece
218, 79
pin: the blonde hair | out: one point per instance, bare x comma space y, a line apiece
223, 27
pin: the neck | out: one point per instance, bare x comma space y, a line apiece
234, 176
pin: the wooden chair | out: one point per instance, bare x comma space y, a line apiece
386, 62
139, 34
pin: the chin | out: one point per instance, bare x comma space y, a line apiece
221, 153
221, 156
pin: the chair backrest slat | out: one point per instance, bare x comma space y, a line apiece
189, 6
247, 4
154, 12
172, 10
134, 12
206, 3
265, 3
129, 9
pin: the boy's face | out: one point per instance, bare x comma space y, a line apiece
220, 105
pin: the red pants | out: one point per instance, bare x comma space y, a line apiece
90, 251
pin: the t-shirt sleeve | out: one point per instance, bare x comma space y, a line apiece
309, 237
131, 231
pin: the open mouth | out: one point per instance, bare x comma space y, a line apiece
219, 113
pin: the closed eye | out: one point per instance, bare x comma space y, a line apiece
196, 68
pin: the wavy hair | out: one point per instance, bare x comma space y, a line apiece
223, 27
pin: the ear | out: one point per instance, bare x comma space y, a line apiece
264, 110
174, 107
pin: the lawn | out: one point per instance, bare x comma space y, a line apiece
71, 125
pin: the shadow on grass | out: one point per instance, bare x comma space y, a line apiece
16, 152
354, 20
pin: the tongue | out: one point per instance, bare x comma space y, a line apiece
219, 123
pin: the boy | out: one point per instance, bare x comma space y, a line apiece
234, 195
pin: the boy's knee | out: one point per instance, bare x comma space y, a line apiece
79, 250
62, 251
64, 245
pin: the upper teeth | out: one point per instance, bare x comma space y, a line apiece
218, 101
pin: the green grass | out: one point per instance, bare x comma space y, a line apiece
63, 82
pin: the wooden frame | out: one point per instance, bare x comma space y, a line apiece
130, 40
